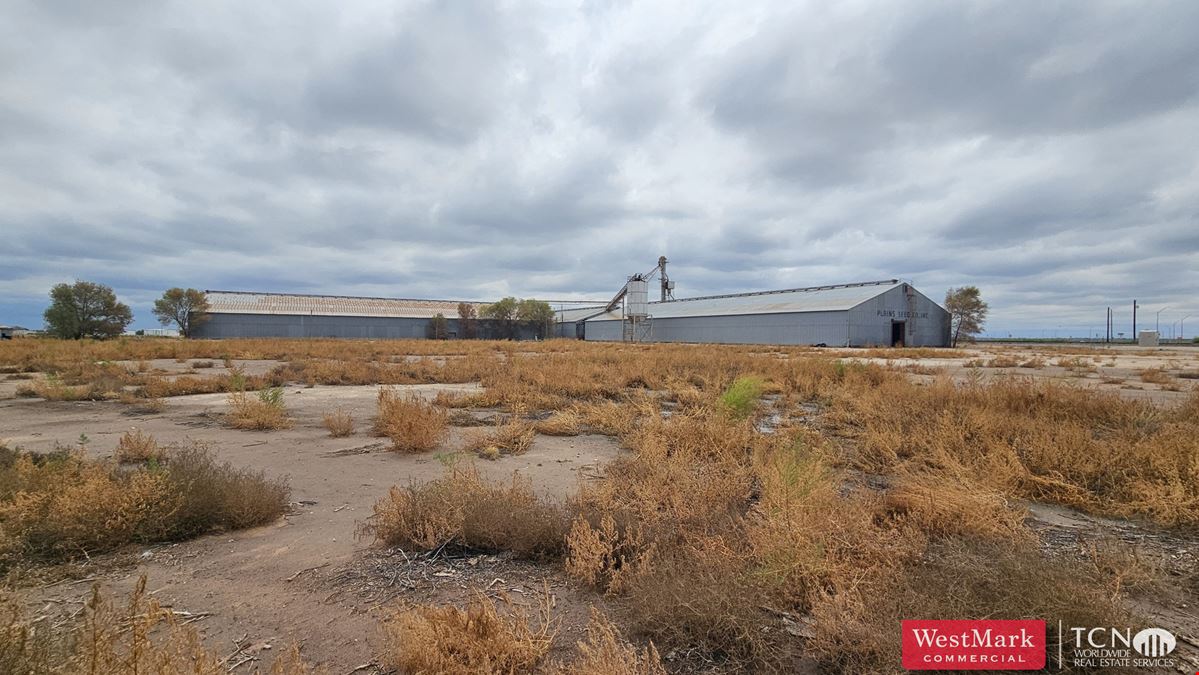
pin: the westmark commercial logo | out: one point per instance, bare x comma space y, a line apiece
974, 645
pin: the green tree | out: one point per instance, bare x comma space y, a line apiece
537, 314
85, 309
184, 307
467, 329
967, 312
503, 312
439, 328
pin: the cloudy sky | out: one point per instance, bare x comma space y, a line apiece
1046, 152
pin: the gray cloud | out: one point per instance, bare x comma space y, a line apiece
1044, 151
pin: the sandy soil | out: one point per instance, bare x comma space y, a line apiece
289, 580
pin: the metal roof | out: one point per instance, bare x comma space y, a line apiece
792, 300
240, 302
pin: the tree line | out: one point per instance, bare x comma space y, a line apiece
86, 309
89, 310
507, 315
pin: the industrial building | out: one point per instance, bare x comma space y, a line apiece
879, 313
10, 332
237, 314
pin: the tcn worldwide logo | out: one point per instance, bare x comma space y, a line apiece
1115, 647
1021, 645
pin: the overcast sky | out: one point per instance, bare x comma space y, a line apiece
1046, 152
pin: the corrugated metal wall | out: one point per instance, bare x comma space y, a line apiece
300, 326
926, 324
566, 329
869, 324
806, 328
222, 326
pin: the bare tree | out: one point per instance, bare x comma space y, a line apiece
967, 312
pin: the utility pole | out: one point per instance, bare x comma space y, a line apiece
1134, 320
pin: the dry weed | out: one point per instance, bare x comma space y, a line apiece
139, 638
262, 412
1077, 365
1032, 439
954, 507
64, 506
561, 423
412, 424
855, 626
1123, 567
609, 417
605, 652
340, 423
475, 640
461, 511
136, 446
1155, 376
513, 437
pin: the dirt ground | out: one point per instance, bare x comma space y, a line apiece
307, 578
295, 579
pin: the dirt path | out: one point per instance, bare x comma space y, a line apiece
268, 584
1173, 555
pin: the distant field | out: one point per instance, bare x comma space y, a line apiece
432, 506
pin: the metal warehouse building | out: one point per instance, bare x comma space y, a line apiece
236, 314
880, 313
